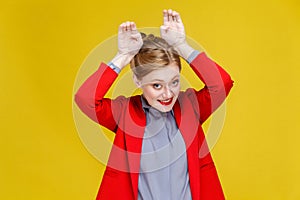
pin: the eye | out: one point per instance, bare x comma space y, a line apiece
157, 86
175, 82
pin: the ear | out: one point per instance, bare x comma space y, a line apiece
136, 81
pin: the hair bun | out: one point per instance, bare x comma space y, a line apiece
149, 37
155, 53
143, 35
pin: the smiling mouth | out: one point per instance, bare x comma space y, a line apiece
166, 102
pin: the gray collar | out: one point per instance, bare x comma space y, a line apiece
145, 104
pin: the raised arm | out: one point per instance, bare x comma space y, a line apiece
205, 101
90, 96
217, 81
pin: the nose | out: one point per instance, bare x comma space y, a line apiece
167, 93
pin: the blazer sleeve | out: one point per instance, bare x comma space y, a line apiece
90, 98
217, 85
205, 101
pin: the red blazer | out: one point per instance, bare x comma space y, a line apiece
126, 117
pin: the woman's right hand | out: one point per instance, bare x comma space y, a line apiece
129, 43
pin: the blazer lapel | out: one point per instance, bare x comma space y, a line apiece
188, 126
134, 131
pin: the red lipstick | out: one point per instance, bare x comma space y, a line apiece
166, 102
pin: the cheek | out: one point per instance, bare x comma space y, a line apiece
150, 94
176, 90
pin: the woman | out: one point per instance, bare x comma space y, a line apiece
159, 150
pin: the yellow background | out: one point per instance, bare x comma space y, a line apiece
43, 44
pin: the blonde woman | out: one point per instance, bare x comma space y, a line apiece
159, 149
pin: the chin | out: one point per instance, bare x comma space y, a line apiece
164, 109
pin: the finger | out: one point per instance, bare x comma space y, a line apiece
177, 17
170, 15
164, 29
173, 14
122, 28
134, 31
132, 26
165, 14
127, 26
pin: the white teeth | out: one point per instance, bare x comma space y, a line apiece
166, 101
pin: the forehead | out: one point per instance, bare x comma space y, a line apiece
164, 74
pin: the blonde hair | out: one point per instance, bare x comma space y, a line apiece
155, 54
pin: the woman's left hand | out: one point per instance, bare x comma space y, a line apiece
173, 32
172, 29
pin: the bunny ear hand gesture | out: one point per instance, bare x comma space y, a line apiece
129, 43
129, 39
172, 29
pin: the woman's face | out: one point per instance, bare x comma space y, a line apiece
161, 87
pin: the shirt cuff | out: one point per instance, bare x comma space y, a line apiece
114, 67
193, 55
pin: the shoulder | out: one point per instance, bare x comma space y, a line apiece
188, 99
132, 101
189, 94
135, 100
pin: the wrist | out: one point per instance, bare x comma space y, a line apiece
121, 60
184, 50
114, 67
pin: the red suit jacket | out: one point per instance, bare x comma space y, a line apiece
126, 117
